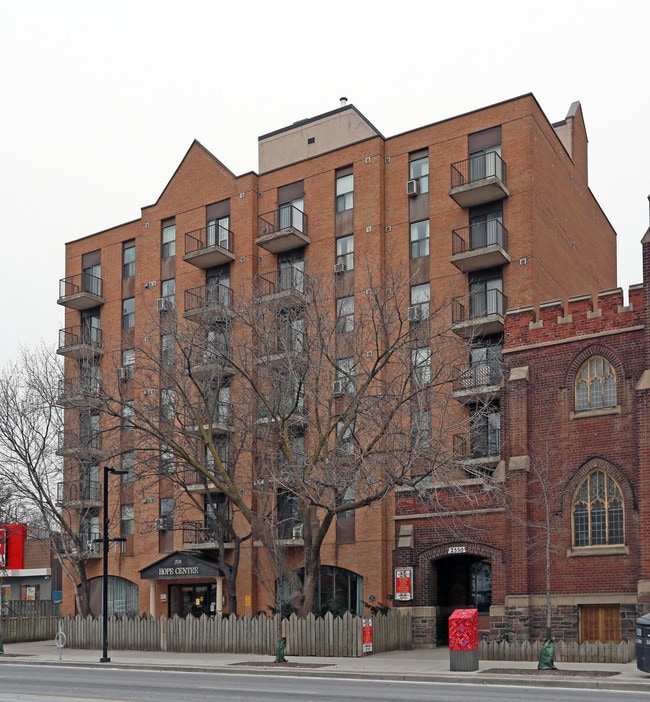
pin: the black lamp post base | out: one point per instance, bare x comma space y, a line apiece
104, 659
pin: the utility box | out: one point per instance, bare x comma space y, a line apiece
642, 639
463, 640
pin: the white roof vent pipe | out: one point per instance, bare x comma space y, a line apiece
344, 101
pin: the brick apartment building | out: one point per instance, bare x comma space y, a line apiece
491, 208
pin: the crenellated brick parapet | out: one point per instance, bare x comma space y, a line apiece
582, 316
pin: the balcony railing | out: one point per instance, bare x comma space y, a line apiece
479, 313
81, 291
213, 300
78, 442
475, 377
480, 246
85, 491
286, 284
80, 341
481, 446
282, 229
205, 534
209, 246
220, 420
479, 179
79, 392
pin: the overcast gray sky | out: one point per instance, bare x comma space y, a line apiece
100, 101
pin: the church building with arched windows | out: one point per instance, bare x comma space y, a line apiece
559, 536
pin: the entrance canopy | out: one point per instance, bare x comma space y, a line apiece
179, 565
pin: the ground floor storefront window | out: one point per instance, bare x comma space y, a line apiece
192, 600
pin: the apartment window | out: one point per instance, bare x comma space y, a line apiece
91, 272
421, 428
288, 515
420, 300
344, 190
166, 460
128, 259
345, 315
167, 404
421, 365
345, 374
128, 362
345, 439
222, 448
167, 349
126, 520
291, 206
128, 313
128, 464
486, 293
420, 239
419, 170
218, 224
168, 238
128, 415
345, 252
598, 511
595, 385
485, 154
485, 432
486, 226
168, 290
167, 505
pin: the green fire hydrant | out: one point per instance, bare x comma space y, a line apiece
280, 649
2, 644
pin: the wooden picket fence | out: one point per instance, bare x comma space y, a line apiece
311, 636
22, 629
565, 651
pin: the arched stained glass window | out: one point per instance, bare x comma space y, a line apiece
595, 384
598, 512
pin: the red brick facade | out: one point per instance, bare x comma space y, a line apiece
534, 192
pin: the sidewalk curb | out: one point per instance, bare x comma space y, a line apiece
451, 678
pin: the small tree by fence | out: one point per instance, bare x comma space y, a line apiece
565, 651
308, 636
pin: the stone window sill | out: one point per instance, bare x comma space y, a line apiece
596, 412
618, 550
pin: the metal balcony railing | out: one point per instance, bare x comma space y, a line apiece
84, 491
207, 237
479, 236
478, 374
73, 388
478, 304
222, 413
207, 532
80, 283
285, 217
285, 279
478, 168
82, 441
482, 443
80, 335
211, 296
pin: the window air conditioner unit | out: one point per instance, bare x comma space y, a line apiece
338, 388
339, 267
165, 304
123, 374
415, 313
297, 531
412, 188
162, 524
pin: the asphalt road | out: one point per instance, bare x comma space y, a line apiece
20, 683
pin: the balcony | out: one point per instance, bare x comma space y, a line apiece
91, 544
480, 313
196, 535
209, 303
282, 230
478, 180
81, 495
214, 365
480, 452
479, 380
81, 291
78, 393
79, 342
283, 287
79, 443
480, 246
209, 247
220, 422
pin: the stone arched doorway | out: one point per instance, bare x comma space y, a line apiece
458, 582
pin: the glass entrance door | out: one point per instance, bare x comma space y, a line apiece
194, 600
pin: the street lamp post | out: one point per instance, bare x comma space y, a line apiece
105, 542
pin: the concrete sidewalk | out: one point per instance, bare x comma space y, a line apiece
416, 665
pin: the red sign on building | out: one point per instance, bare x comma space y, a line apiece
367, 635
403, 584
